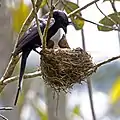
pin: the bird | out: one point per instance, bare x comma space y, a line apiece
31, 40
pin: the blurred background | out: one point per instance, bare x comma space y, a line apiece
36, 101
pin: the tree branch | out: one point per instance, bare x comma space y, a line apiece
80, 9
29, 19
37, 21
10, 68
47, 25
26, 76
107, 61
104, 14
3, 117
88, 80
38, 73
13, 61
6, 108
80, 17
113, 5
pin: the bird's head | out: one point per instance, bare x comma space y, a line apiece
61, 19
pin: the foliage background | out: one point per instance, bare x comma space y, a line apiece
32, 104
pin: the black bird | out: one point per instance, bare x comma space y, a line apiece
31, 40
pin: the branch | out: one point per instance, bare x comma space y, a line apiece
6, 108
88, 80
10, 68
80, 9
113, 28
37, 21
47, 25
107, 61
3, 117
26, 76
29, 18
113, 5
80, 17
109, 18
13, 61
38, 73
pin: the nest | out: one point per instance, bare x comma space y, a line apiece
62, 68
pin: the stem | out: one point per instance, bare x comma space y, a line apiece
14, 60
38, 73
37, 21
91, 97
26, 76
80, 9
3, 117
29, 19
119, 37
6, 108
88, 79
47, 26
104, 14
113, 5
107, 61
80, 17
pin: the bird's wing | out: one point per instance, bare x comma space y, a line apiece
32, 33
29, 35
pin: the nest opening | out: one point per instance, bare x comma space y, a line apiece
62, 68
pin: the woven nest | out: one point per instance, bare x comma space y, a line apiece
62, 68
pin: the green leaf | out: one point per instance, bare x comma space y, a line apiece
115, 19
77, 21
110, 21
76, 110
104, 28
44, 2
106, 21
70, 6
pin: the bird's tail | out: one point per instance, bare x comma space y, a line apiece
22, 69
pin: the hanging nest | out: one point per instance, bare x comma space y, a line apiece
62, 68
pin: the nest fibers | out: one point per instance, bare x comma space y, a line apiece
62, 68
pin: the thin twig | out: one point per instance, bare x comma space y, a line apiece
38, 73
88, 79
3, 117
114, 9
89, 82
26, 76
10, 68
29, 19
80, 9
58, 1
13, 61
80, 17
6, 108
104, 14
37, 21
47, 26
119, 38
107, 61
113, 5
